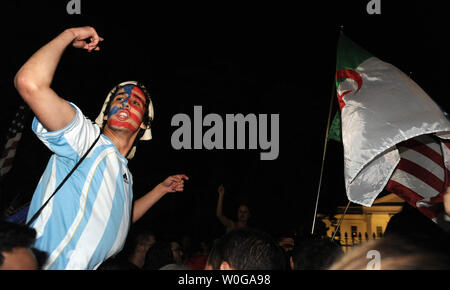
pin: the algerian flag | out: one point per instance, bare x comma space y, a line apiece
380, 107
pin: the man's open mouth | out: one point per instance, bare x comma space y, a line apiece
122, 115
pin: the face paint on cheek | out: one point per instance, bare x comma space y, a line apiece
137, 104
135, 118
113, 110
136, 108
139, 96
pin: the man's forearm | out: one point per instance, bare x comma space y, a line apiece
34, 78
143, 204
40, 68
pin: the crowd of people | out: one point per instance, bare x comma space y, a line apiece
423, 246
87, 219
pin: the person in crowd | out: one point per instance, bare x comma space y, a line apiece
198, 260
412, 225
141, 240
215, 255
286, 242
16, 252
243, 213
132, 257
87, 221
247, 249
177, 252
160, 257
314, 253
186, 244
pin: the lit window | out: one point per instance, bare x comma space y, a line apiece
354, 231
379, 231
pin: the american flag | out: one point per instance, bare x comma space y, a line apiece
12, 140
422, 174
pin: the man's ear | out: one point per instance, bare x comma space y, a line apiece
291, 263
225, 266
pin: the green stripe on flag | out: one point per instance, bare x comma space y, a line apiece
335, 128
349, 55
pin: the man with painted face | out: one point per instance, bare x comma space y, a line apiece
88, 219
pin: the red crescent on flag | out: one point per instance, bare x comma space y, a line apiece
347, 74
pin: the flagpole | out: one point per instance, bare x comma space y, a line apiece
340, 221
333, 90
323, 157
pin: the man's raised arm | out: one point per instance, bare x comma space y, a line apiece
34, 78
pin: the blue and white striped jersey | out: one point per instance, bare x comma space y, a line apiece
87, 221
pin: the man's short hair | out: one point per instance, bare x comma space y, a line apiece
136, 236
159, 255
315, 253
251, 249
14, 235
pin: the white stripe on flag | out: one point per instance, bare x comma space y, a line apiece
415, 184
423, 161
4, 170
10, 154
430, 142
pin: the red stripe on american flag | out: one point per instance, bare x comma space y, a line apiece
8, 162
431, 211
421, 173
11, 147
410, 192
447, 144
411, 197
423, 149
404, 192
437, 198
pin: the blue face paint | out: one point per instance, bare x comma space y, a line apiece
127, 90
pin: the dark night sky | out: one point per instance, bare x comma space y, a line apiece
261, 59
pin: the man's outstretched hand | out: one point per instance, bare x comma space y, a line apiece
170, 184
174, 183
82, 35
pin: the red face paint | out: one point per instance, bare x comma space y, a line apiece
115, 123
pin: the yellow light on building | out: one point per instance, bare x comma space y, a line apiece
360, 223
